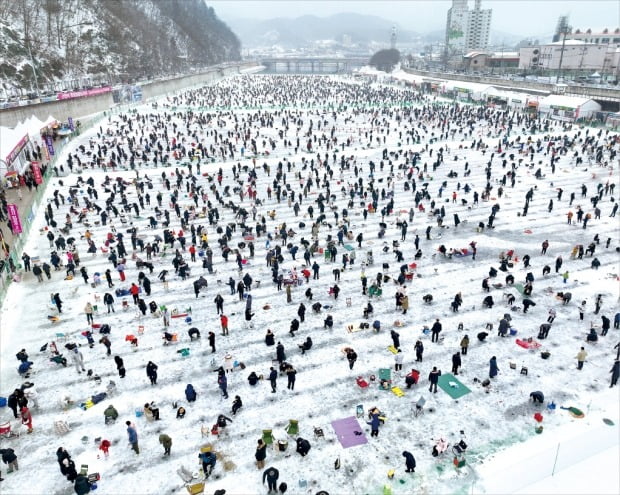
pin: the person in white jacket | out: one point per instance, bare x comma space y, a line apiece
398, 360
78, 360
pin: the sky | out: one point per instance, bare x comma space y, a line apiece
526, 17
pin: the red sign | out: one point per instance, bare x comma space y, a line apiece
10, 158
16, 224
36, 172
85, 92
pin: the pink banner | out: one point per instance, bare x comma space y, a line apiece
36, 172
16, 224
85, 92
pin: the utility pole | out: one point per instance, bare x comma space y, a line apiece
565, 31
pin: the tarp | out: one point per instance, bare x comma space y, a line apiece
349, 432
451, 386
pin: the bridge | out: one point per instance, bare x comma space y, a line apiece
313, 65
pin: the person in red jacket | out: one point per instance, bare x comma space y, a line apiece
27, 418
224, 323
134, 290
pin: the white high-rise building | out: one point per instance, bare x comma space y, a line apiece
456, 27
478, 28
467, 30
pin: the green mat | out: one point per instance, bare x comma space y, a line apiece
348, 247
453, 391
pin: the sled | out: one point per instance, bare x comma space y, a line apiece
528, 344
574, 412
179, 315
351, 328
397, 391
519, 288
392, 349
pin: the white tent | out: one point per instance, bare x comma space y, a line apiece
569, 108
11, 141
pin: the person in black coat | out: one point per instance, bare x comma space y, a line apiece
419, 350
212, 341
269, 338
272, 475
409, 461
435, 329
151, 372
301, 312
328, 322
537, 396
306, 346
303, 447
253, 378
280, 355
456, 363
395, 339
294, 326
236, 405
82, 485
433, 378
260, 454
273, 377
488, 302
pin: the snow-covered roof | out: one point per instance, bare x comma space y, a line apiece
564, 101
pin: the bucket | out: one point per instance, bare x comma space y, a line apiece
139, 413
513, 331
3, 401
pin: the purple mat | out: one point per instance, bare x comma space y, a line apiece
345, 431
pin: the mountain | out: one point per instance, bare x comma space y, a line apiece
304, 30
109, 40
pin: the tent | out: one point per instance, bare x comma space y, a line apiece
568, 108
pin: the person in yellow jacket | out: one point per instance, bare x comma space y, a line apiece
581, 357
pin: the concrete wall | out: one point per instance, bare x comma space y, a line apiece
81, 107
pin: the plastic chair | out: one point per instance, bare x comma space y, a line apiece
418, 407
293, 427
267, 437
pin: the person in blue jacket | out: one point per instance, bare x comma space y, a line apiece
132, 435
493, 369
190, 393
374, 423
409, 461
208, 462
24, 367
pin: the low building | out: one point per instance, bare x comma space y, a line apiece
577, 57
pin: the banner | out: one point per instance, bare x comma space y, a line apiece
85, 92
36, 172
16, 224
50, 144
70, 121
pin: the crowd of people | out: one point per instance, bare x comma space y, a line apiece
197, 208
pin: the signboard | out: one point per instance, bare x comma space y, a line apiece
127, 94
84, 92
15, 152
36, 172
50, 145
70, 121
13, 214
